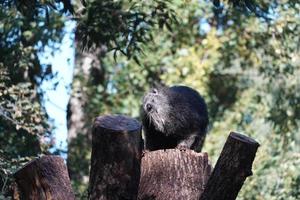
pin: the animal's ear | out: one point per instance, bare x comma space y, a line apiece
158, 85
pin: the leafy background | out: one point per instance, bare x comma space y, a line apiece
242, 56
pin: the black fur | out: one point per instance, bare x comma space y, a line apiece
174, 117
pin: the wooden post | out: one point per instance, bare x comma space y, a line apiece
44, 178
116, 157
173, 174
232, 168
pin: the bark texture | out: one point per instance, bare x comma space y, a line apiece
43, 179
88, 71
116, 157
233, 167
173, 174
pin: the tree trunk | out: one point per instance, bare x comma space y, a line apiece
87, 69
173, 174
232, 168
116, 157
44, 178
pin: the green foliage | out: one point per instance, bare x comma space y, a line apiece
18, 107
25, 30
34, 7
122, 26
245, 66
242, 56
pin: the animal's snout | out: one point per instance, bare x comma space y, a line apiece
149, 107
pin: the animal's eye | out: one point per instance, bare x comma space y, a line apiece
154, 91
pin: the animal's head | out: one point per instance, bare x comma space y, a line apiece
156, 108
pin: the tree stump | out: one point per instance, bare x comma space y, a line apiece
116, 157
44, 178
173, 174
232, 168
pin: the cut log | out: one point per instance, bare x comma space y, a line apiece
233, 167
173, 174
116, 158
44, 178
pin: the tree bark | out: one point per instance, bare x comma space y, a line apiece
88, 70
116, 157
173, 174
44, 178
232, 168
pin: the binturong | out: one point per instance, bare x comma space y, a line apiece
174, 117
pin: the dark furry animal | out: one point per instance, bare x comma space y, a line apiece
174, 117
